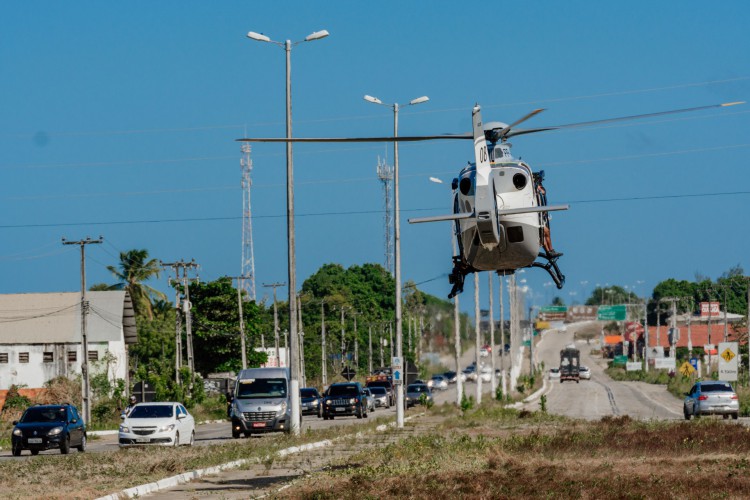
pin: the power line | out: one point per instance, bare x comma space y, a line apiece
351, 212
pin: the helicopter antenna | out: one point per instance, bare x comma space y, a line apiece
385, 174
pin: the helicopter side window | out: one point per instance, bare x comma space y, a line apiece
515, 234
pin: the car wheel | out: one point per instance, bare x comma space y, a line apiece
17, 451
65, 446
248, 434
34, 452
192, 439
330, 417
685, 412
176, 439
360, 413
735, 416
726, 416
82, 447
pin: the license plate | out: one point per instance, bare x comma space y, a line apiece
259, 424
142, 440
340, 409
35, 440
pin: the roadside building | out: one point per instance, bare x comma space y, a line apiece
40, 336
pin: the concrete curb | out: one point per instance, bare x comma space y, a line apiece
186, 477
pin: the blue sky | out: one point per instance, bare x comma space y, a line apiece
118, 118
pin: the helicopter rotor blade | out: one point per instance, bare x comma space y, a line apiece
512, 133
405, 138
531, 210
503, 133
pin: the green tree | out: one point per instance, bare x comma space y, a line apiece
216, 339
134, 269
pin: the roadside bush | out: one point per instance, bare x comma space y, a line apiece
14, 400
467, 403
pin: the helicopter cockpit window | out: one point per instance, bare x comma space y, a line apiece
519, 181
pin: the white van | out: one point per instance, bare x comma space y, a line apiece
261, 402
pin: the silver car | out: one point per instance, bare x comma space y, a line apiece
584, 373
711, 397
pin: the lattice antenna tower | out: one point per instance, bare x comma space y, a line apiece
385, 174
248, 256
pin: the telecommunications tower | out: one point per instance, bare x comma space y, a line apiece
385, 174
248, 257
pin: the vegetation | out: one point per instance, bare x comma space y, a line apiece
134, 269
495, 452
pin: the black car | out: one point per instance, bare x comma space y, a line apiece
43, 427
312, 403
345, 398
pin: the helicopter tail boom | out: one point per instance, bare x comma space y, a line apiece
438, 218
530, 210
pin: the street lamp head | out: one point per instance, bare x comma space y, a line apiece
316, 36
258, 36
419, 100
370, 98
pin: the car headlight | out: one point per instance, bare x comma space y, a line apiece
124, 428
353, 400
315, 403
55, 431
282, 409
166, 428
17, 432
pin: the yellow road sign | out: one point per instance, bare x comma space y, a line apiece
686, 369
728, 355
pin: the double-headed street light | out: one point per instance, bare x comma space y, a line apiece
397, 244
294, 339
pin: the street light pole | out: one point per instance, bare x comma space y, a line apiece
397, 245
294, 344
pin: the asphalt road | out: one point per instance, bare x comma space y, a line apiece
214, 433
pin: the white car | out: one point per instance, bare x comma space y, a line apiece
439, 382
554, 374
167, 424
486, 373
584, 373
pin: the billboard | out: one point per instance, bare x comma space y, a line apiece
710, 309
273, 362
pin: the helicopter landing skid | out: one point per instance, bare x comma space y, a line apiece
551, 267
457, 275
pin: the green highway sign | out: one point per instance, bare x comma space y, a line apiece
611, 313
554, 309
620, 360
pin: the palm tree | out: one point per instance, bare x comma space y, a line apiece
134, 269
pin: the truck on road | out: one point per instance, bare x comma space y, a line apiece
570, 362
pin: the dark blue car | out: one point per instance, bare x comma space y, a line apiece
44, 427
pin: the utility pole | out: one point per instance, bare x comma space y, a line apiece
531, 345
477, 335
502, 338
382, 364
390, 340
301, 340
276, 320
457, 348
178, 321
356, 344
324, 360
84, 334
240, 287
343, 346
673, 320
369, 349
493, 383
645, 334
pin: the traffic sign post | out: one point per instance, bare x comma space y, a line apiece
348, 373
611, 313
397, 369
728, 361
686, 369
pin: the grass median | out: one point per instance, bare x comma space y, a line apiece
90, 475
493, 452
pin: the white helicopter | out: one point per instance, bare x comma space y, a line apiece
500, 207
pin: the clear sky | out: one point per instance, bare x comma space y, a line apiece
120, 120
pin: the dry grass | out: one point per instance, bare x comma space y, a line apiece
494, 453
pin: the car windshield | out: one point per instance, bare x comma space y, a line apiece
259, 388
417, 388
379, 383
342, 390
151, 411
308, 393
554, 370
378, 391
716, 388
36, 415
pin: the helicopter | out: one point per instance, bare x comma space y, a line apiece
500, 210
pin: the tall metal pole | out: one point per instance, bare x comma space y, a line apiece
276, 318
369, 350
502, 338
301, 335
243, 346
86, 389
356, 344
397, 255
343, 333
324, 360
493, 384
478, 337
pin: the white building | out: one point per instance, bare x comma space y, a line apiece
40, 336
